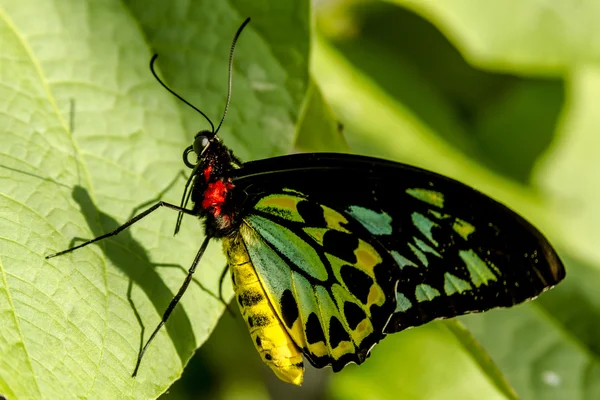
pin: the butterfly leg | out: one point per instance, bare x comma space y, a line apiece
197, 282
185, 197
159, 195
136, 313
125, 226
221, 279
173, 302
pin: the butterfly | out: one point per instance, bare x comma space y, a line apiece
329, 253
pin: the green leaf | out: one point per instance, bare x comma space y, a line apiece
72, 326
480, 356
518, 35
549, 348
538, 356
318, 130
270, 69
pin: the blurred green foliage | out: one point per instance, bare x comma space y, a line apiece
499, 95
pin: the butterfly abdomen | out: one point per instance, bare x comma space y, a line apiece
275, 346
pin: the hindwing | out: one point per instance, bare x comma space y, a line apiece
333, 286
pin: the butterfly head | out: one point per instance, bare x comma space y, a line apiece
208, 153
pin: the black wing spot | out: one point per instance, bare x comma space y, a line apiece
341, 245
261, 320
250, 322
311, 213
258, 341
337, 333
268, 357
289, 308
314, 332
354, 314
357, 282
250, 298
379, 317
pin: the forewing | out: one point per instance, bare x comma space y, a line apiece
455, 250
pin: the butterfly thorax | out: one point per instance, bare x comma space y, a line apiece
213, 193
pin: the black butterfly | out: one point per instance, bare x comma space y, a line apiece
330, 252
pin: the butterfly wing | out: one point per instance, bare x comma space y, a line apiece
452, 250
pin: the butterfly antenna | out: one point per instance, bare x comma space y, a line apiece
235, 39
154, 57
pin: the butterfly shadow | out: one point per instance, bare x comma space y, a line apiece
130, 257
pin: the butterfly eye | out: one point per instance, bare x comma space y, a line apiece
200, 144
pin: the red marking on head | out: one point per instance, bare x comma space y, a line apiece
215, 195
207, 172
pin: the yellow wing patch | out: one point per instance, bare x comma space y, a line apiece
334, 219
283, 205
